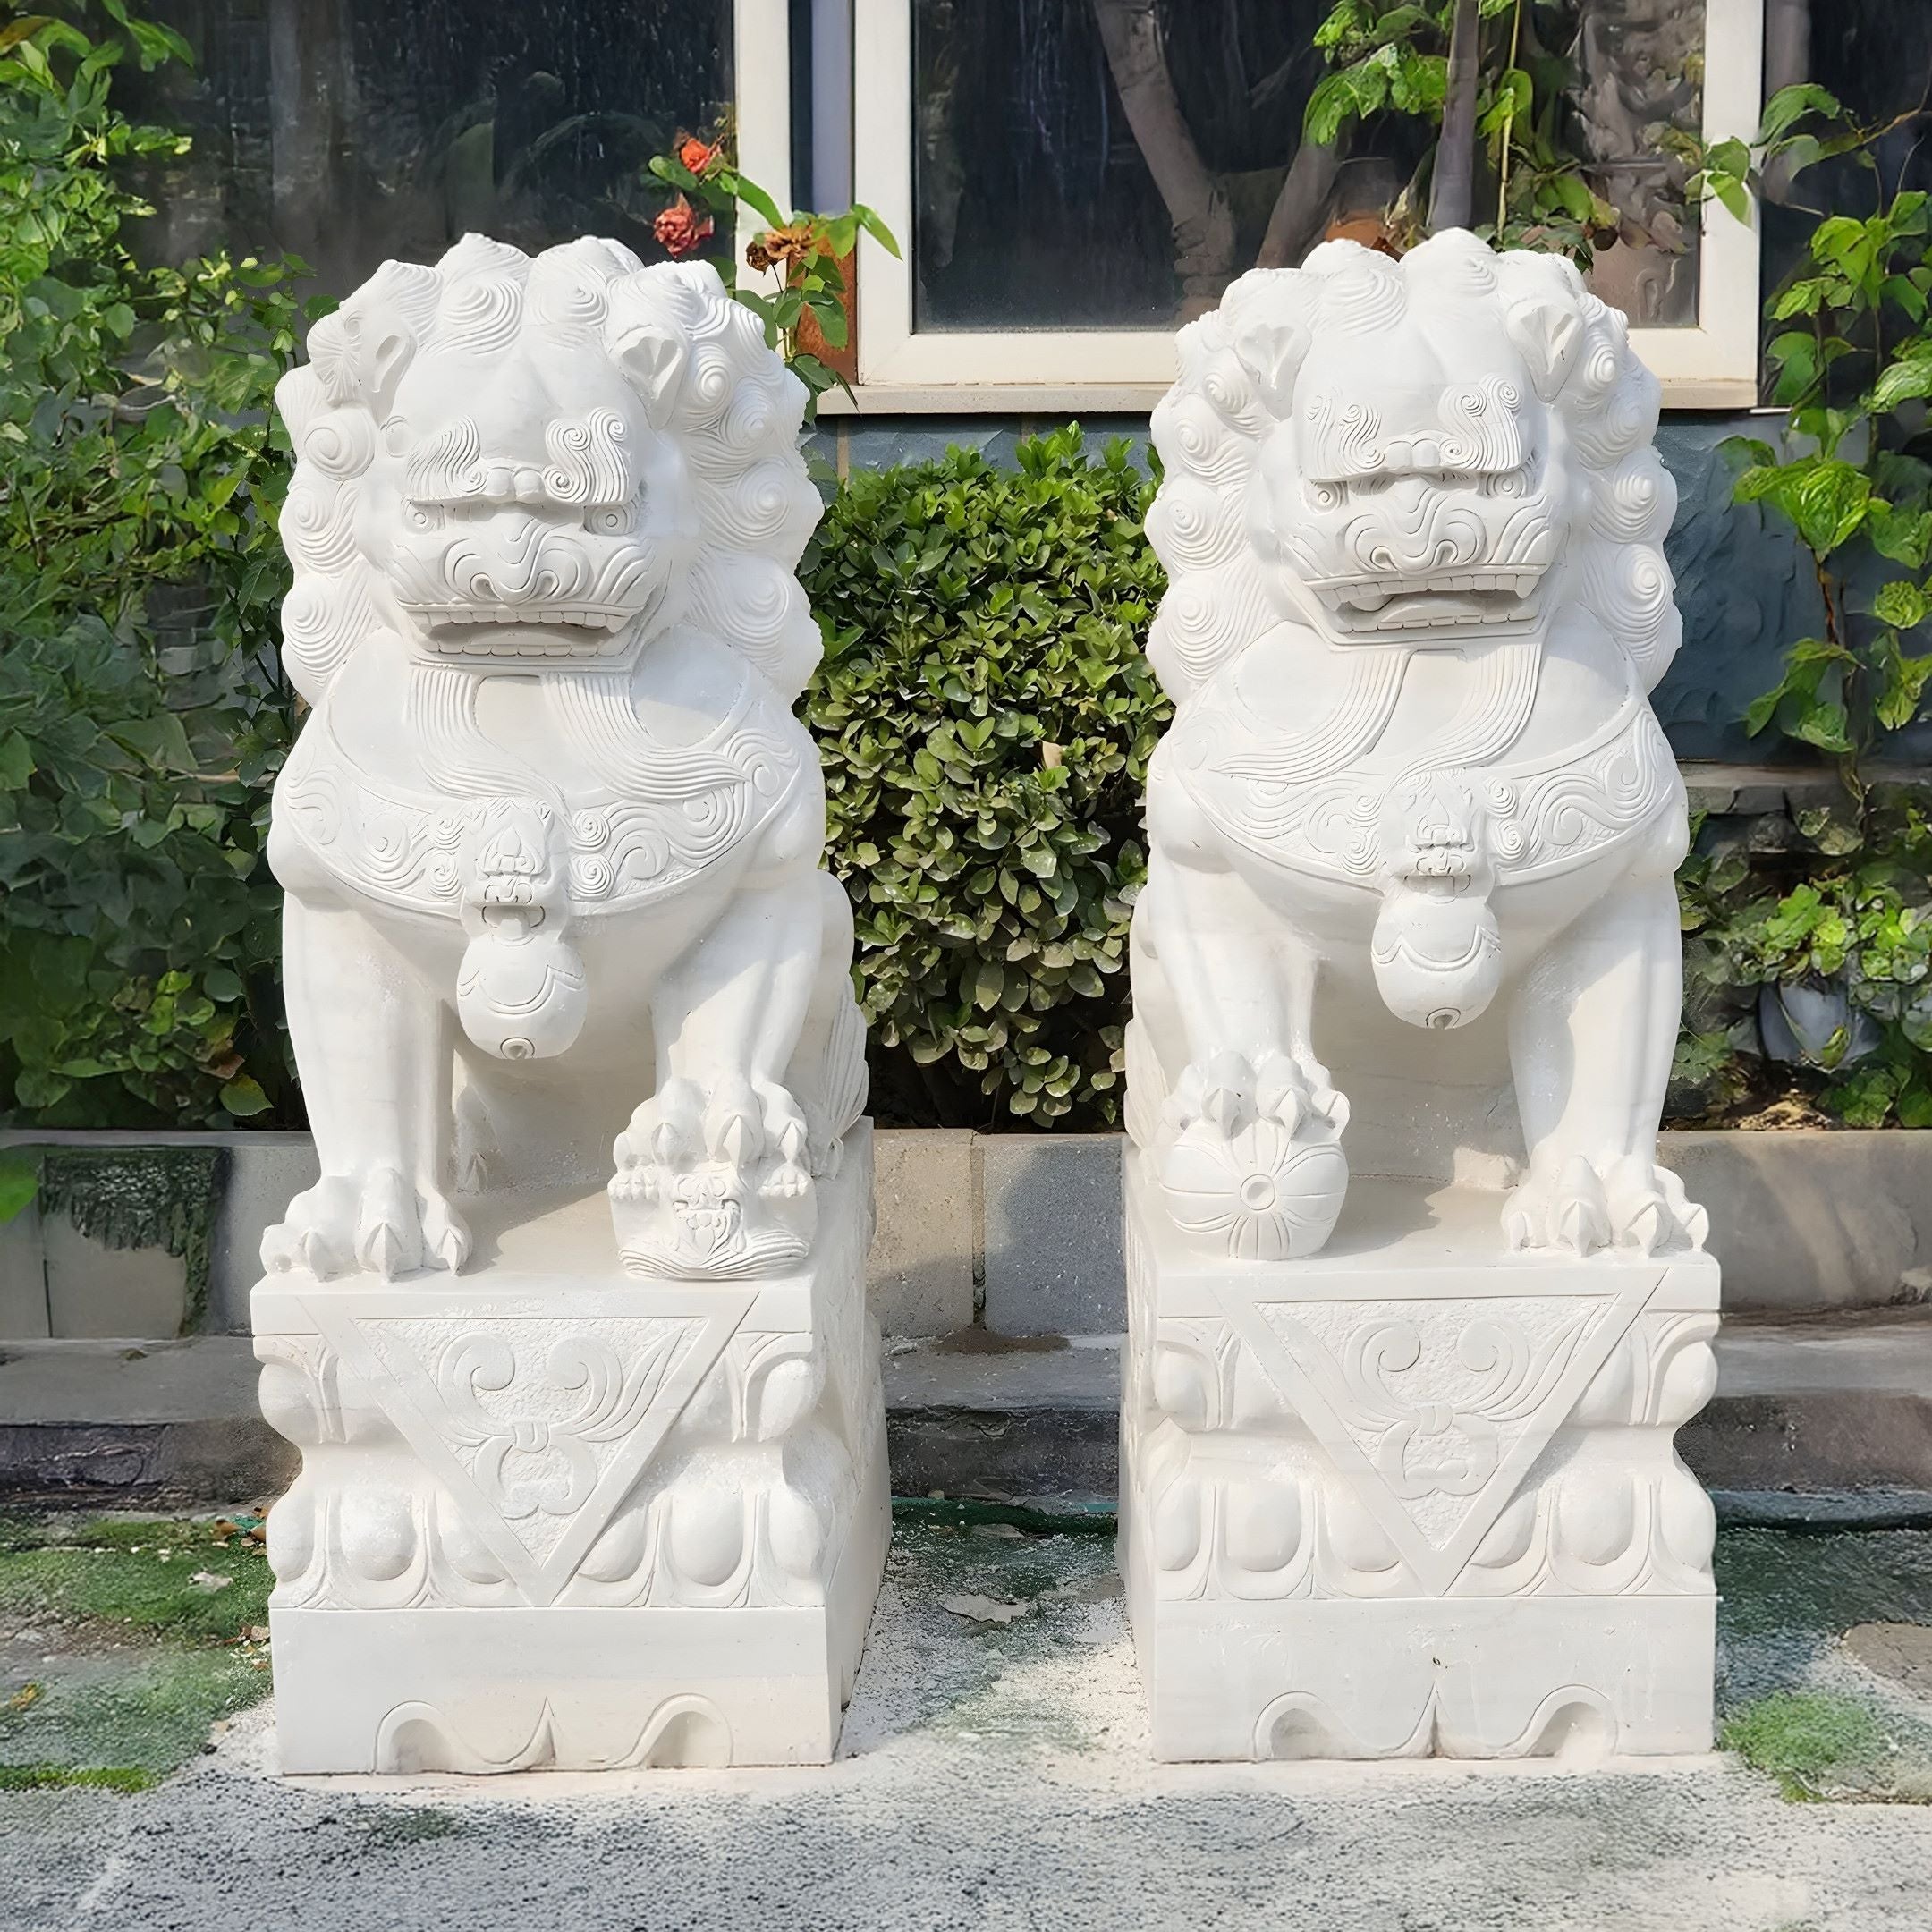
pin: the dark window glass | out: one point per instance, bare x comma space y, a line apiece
1116, 163
349, 131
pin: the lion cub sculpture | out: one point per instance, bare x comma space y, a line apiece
1413, 519
551, 835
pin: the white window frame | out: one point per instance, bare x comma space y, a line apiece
1712, 366
761, 88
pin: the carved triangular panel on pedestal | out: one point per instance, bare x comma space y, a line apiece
538, 1425
1435, 1409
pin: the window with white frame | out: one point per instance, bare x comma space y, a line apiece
1073, 179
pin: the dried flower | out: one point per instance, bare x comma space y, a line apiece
756, 255
681, 228
788, 245
696, 155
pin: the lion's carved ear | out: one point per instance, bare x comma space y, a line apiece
1271, 349
1268, 312
1547, 335
652, 354
386, 349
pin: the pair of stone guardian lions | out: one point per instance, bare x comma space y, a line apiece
551, 838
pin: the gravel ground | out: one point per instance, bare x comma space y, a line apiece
995, 1776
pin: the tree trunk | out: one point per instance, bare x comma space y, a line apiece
1452, 186
1295, 222
1203, 226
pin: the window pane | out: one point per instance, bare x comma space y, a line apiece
348, 130
1114, 164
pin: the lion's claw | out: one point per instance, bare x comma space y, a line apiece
739, 1125
375, 1222
1630, 1203
1229, 1091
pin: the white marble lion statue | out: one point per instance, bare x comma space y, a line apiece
550, 835
1413, 829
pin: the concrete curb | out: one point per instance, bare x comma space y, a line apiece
1021, 1232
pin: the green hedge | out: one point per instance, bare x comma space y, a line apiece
985, 714
141, 714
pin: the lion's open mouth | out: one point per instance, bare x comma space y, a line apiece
1429, 601
573, 630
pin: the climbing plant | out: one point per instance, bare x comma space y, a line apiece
1837, 930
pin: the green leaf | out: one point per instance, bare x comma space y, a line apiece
1898, 700
1902, 604
1791, 104
760, 203
1904, 537
16, 762
1908, 378
20, 1181
1825, 725
244, 1096
1826, 497
21, 29
1331, 106
875, 226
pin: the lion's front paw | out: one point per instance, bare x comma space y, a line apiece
1571, 1208
1231, 1092
1250, 1157
373, 1222
715, 1184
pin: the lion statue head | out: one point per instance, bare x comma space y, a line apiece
515, 462
1409, 452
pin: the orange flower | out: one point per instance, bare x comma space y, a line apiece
695, 154
681, 228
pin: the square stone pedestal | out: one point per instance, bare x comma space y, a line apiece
1415, 1496
552, 1515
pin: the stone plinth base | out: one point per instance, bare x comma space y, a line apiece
551, 1515
1416, 1677
1414, 1495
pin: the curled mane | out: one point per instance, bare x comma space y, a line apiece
724, 412
1210, 523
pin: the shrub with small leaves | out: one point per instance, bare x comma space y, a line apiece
1807, 969
142, 711
985, 714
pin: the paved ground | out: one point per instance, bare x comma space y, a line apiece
995, 1776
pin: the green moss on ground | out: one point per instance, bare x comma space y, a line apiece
127, 1639
58, 1776
1819, 1744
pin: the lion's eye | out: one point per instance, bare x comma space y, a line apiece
611, 519
1510, 483
424, 517
1328, 495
